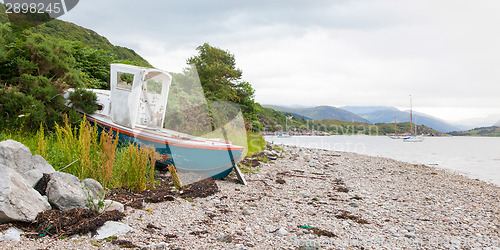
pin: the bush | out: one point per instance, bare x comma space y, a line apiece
84, 100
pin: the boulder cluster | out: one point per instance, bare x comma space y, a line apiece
30, 185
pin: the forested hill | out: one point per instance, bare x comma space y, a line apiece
38, 64
72, 32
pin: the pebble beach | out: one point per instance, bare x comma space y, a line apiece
317, 199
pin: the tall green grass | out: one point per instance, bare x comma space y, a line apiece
86, 153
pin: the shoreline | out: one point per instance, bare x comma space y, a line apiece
449, 164
404, 206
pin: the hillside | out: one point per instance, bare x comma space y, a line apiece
382, 114
493, 131
273, 120
321, 113
337, 127
72, 32
38, 64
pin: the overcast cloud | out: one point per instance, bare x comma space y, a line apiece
445, 53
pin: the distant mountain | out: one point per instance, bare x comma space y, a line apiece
383, 114
479, 122
367, 109
321, 113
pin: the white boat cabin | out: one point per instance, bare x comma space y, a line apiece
138, 96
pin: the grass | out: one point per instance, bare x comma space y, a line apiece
86, 153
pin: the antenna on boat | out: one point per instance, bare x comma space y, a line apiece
411, 117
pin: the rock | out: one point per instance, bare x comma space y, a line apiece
36, 169
280, 181
245, 212
65, 191
18, 200
109, 205
18, 157
112, 228
92, 188
281, 231
225, 238
410, 235
161, 245
392, 231
12, 234
410, 228
309, 245
15, 155
305, 194
353, 204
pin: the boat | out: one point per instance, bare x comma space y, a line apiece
396, 136
286, 134
413, 137
134, 111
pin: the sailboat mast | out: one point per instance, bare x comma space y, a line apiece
411, 118
395, 126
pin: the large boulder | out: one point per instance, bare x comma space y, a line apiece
34, 172
18, 157
15, 155
93, 189
65, 191
18, 200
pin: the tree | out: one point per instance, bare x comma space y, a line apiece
221, 80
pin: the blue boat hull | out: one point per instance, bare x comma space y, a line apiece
201, 160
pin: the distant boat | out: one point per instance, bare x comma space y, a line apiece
286, 134
396, 136
413, 137
134, 110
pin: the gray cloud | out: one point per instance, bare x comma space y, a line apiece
356, 52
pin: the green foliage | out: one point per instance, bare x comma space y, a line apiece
68, 31
493, 131
37, 65
94, 63
221, 80
95, 203
86, 153
84, 100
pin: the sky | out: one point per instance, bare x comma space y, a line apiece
445, 53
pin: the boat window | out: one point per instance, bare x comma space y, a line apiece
100, 107
154, 86
125, 81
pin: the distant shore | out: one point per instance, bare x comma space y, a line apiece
314, 197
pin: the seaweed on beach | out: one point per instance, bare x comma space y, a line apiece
73, 221
344, 215
124, 243
163, 192
319, 231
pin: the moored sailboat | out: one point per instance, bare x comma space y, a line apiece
413, 137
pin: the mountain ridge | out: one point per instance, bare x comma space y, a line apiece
320, 113
385, 114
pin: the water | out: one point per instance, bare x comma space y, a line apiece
476, 157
